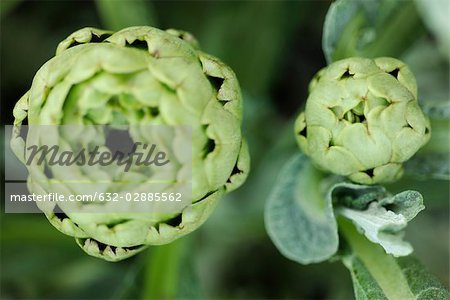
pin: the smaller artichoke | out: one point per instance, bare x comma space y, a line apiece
362, 119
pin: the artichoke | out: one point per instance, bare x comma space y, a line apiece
137, 76
362, 119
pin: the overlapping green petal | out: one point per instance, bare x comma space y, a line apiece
362, 119
139, 75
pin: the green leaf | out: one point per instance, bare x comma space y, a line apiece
299, 220
422, 284
377, 275
338, 18
384, 218
435, 16
116, 15
364, 285
369, 28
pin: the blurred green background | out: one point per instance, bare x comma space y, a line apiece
275, 48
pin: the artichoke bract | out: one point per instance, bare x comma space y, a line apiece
139, 76
362, 119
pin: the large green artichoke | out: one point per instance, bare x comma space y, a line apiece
362, 119
139, 75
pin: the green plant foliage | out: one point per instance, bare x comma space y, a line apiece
435, 16
369, 28
364, 285
433, 161
384, 221
377, 275
274, 49
300, 213
298, 218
